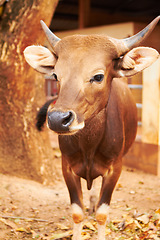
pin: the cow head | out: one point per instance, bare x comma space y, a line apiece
83, 67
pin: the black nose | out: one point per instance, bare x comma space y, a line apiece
60, 121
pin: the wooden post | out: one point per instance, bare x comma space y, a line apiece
150, 101
151, 107
84, 13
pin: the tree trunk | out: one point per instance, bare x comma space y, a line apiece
24, 151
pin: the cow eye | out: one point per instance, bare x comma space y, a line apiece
97, 78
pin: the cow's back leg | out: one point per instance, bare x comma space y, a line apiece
109, 181
74, 187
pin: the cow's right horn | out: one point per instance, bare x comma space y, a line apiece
135, 40
52, 38
124, 45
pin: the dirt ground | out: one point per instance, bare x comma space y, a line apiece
29, 210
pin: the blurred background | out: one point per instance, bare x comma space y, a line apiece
75, 14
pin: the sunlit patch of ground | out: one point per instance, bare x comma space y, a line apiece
29, 210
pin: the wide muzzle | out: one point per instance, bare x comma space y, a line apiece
60, 122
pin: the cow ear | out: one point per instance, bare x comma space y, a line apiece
41, 59
135, 61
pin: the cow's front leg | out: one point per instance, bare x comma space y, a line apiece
75, 191
108, 184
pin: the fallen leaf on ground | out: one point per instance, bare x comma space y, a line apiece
61, 235
8, 223
85, 235
21, 229
157, 211
61, 226
89, 226
143, 218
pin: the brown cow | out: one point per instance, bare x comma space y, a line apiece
94, 115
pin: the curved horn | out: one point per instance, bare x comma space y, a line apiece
52, 38
135, 40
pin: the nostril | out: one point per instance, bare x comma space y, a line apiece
67, 118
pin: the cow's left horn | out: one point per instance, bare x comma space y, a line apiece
52, 38
135, 40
